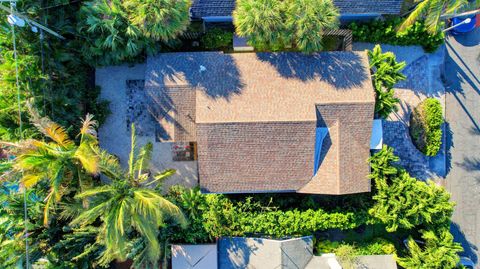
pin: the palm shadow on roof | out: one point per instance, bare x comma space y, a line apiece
341, 69
212, 72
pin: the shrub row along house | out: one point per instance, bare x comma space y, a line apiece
266, 122
220, 11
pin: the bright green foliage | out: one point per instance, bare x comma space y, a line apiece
386, 72
438, 251
377, 246
426, 126
59, 161
308, 19
127, 206
347, 256
77, 248
217, 38
431, 11
262, 22
403, 201
159, 19
215, 215
278, 25
61, 89
112, 38
386, 69
12, 224
385, 102
386, 32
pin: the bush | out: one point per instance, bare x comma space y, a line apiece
385, 31
426, 126
403, 201
386, 72
217, 39
214, 215
377, 246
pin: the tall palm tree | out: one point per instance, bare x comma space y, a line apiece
59, 160
112, 38
262, 22
308, 20
129, 206
161, 20
433, 10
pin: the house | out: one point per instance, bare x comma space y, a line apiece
251, 252
266, 122
214, 11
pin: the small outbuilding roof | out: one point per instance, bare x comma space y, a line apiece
224, 8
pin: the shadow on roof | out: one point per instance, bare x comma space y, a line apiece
201, 71
341, 69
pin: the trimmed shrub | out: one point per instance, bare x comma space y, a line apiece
385, 31
426, 126
214, 215
217, 39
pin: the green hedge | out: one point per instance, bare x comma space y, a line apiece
385, 31
426, 126
215, 215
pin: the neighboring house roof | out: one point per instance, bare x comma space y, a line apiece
244, 252
221, 8
256, 115
201, 256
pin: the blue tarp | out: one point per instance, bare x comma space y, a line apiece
320, 134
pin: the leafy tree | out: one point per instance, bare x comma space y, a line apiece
111, 37
438, 251
386, 72
385, 67
159, 19
276, 25
403, 201
128, 207
12, 225
308, 20
432, 11
262, 22
386, 102
59, 161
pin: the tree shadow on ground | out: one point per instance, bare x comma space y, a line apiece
340, 69
469, 249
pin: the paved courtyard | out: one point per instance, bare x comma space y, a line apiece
123, 87
463, 114
423, 80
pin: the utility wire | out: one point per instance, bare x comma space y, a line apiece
25, 213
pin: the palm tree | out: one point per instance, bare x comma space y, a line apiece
161, 20
262, 22
433, 10
128, 206
308, 20
59, 160
112, 38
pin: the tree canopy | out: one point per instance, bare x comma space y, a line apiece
279, 25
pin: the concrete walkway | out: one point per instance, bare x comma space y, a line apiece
462, 75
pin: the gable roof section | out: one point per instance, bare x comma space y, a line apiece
256, 115
223, 8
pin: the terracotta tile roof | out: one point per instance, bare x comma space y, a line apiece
207, 8
255, 118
